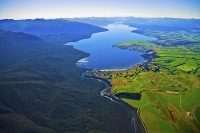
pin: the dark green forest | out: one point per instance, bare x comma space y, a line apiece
41, 89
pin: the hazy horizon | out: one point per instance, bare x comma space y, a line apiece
31, 9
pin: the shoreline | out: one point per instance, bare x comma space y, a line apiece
115, 70
84, 38
147, 56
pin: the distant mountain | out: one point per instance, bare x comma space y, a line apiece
57, 31
150, 23
167, 24
46, 27
98, 21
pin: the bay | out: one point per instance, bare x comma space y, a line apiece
105, 57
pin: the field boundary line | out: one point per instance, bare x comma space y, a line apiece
194, 114
141, 120
180, 104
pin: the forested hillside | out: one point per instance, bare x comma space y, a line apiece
41, 89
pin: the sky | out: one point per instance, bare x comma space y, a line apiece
30, 9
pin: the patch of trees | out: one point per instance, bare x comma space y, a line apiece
135, 96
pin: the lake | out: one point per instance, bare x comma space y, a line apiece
105, 57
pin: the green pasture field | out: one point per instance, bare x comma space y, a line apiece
183, 58
188, 100
170, 96
154, 111
197, 113
155, 100
136, 42
174, 37
180, 57
152, 81
187, 67
198, 71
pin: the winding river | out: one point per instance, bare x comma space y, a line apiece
137, 125
105, 57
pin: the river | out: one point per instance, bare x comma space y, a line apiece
137, 125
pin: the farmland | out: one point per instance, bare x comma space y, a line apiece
168, 83
173, 38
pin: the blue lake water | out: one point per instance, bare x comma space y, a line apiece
103, 55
